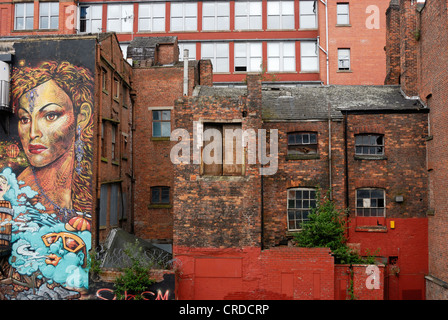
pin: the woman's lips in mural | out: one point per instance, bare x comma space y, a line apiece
36, 148
52, 259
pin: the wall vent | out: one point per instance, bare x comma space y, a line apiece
4, 86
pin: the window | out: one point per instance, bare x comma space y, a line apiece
90, 19
184, 16
309, 59
116, 88
370, 202
302, 143
218, 53
248, 15
24, 16
191, 47
280, 14
120, 17
160, 195
308, 16
104, 78
342, 14
222, 153
215, 15
161, 123
343, 59
112, 205
103, 141
281, 56
114, 150
369, 144
151, 17
300, 203
248, 56
48, 15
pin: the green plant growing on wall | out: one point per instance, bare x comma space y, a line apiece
135, 279
94, 265
326, 228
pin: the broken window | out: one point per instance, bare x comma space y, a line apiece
300, 203
370, 202
222, 152
301, 143
369, 144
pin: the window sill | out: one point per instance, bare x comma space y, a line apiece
362, 157
343, 25
379, 229
309, 72
104, 160
344, 71
160, 206
160, 138
116, 163
302, 156
221, 178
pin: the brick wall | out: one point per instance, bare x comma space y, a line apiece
433, 90
393, 43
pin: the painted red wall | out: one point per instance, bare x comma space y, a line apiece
409, 242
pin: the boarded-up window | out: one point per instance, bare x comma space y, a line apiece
222, 152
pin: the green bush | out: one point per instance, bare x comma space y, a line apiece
135, 278
326, 228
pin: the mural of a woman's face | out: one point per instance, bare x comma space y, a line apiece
46, 123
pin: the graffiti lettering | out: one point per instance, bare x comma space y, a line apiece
373, 280
108, 294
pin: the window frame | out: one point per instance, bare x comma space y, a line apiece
216, 60
357, 207
303, 144
282, 15
248, 56
151, 17
120, 19
49, 15
297, 226
23, 15
90, 19
370, 146
304, 57
218, 14
184, 17
302, 15
161, 120
160, 197
281, 57
251, 21
342, 58
191, 47
339, 14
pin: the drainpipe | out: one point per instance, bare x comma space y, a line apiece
346, 173
326, 40
99, 148
329, 152
186, 72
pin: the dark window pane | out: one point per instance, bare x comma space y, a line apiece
165, 198
299, 194
306, 194
156, 115
291, 139
306, 203
291, 204
306, 138
155, 195
313, 138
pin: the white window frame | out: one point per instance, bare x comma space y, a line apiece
23, 14
153, 13
217, 58
191, 47
250, 57
367, 202
284, 60
49, 15
220, 19
344, 57
185, 18
304, 57
91, 18
126, 12
282, 14
296, 208
246, 17
305, 14
342, 13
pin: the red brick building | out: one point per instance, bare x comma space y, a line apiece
285, 39
418, 56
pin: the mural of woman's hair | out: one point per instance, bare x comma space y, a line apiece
78, 83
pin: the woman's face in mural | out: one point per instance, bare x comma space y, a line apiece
46, 123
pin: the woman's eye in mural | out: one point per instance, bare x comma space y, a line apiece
52, 116
24, 120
